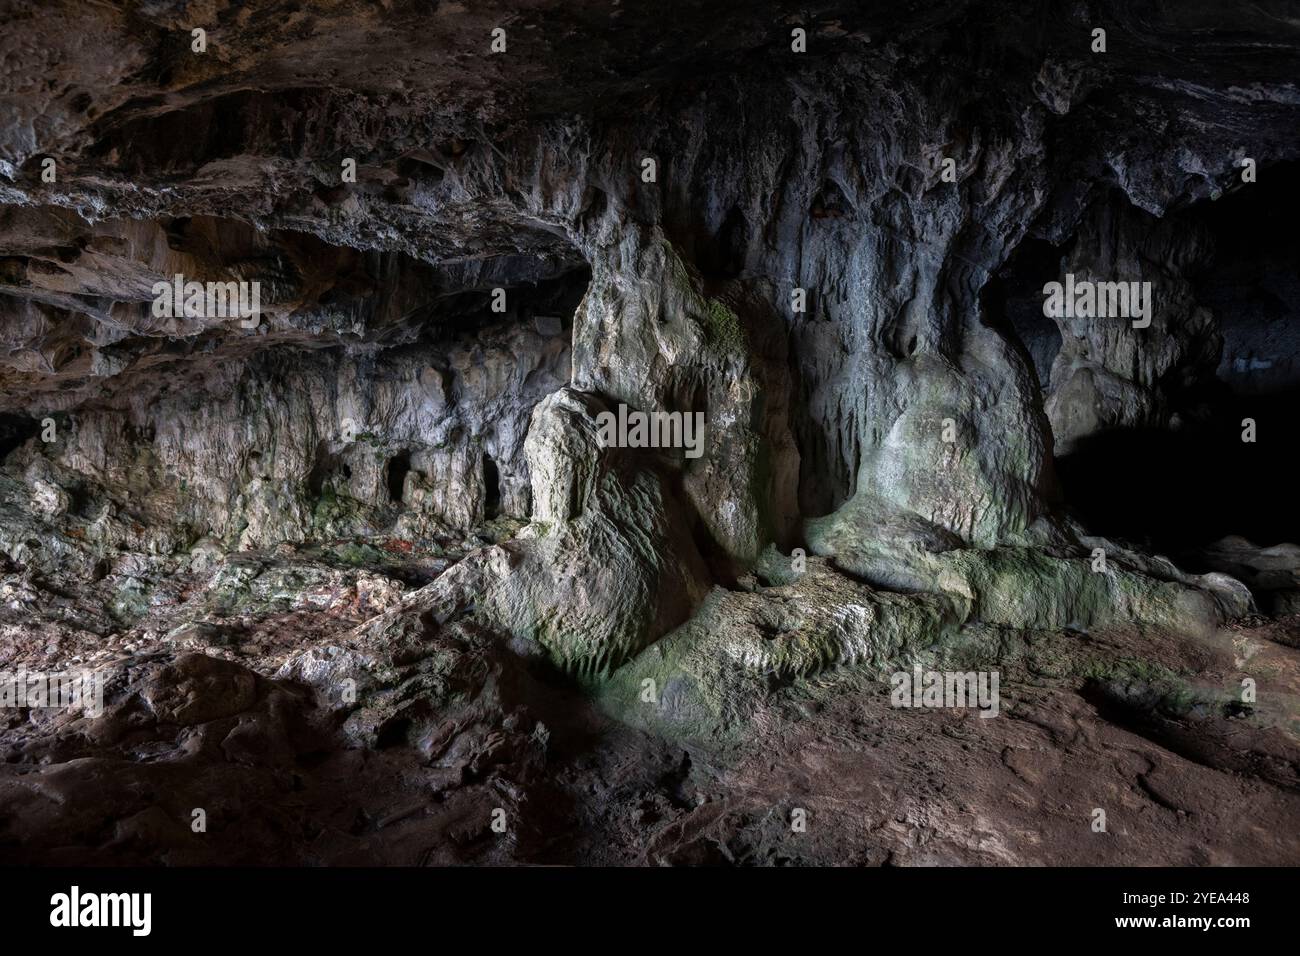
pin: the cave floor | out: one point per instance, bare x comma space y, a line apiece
204, 711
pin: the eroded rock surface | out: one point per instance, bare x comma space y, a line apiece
366, 584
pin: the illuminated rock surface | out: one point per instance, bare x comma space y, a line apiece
361, 575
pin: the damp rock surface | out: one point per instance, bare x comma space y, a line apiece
350, 358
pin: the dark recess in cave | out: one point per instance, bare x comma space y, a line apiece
14, 430
491, 488
1012, 303
1179, 489
1253, 285
398, 467
324, 468
538, 303
722, 256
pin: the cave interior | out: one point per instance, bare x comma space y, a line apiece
361, 576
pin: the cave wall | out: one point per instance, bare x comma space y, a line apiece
293, 430
891, 393
1109, 374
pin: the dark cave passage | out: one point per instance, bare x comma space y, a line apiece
547, 302
326, 468
491, 488
1179, 490
1190, 484
1012, 302
398, 468
14, 430
1253, 285
1187, 487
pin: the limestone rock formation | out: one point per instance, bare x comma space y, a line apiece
372, 528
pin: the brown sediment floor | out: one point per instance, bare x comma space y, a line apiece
467, 729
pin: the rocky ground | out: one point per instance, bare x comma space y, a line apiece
227, 694
364, 581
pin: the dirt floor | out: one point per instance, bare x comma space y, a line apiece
480, 754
